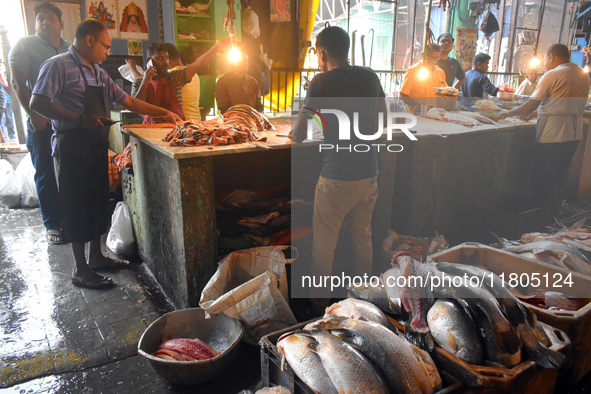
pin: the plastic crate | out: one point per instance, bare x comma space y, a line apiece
272, 373
574, 324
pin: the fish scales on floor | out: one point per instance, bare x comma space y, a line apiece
480, 325
346, 355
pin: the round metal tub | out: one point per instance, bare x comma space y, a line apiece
220, 332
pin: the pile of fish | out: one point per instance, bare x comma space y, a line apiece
480, 322
354, 353
417, 247
261, 217
464, 118
237, 125
184, 349
569, 248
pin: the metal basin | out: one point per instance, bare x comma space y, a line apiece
220, 332
505, 96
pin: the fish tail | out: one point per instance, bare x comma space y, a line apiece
502, 243
508, 341
541, 355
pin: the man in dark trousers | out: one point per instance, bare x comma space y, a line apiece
560, 99
75, 92
25, 60
347, 186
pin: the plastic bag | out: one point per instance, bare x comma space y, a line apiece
26, 174
489, 24
126, 73
120, 239
10, 186
250, 285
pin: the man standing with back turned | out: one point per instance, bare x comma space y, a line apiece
25, 60
347, 186
75, 92
560, 99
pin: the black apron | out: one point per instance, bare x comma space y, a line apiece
81, 158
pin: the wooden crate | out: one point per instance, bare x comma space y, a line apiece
574, 324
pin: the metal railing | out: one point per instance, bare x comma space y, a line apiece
287, 84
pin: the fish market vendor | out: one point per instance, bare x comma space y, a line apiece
560, 100
420, 81
74, 92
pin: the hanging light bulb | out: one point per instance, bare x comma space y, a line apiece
534, 62
423, 73
234, 54
586, 69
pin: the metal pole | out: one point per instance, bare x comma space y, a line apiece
427, 28
414, 28
500, 39
512, 43
394, 36
543, 8
562, 21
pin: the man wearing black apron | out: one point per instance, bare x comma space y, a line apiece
74, 92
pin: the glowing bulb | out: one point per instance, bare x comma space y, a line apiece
534, 62
423, 73
586, 68
234, 54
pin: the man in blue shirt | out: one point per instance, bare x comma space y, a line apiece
477, 83
25, 60
74, 92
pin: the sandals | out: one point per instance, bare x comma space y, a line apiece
54, 236
102, 282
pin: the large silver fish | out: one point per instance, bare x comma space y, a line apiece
390, 282
358, 309
349, 370
376, 295
306, 364
513, 310
455, 331
399, 365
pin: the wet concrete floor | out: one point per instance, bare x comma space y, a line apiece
58, 338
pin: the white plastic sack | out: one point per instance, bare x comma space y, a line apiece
126, 73
120, 238
10, 186
250, 23
26, 174
250, 285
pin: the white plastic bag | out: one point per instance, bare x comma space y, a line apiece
26, 174
126, 73
10, 186
120, 238
250, 285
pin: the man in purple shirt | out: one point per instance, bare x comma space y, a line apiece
74, 92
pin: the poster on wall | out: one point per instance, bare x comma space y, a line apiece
134, 23
466, 40
70, 17
105, 11
280, 10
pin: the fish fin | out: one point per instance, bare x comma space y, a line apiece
451, 340
541, 355
502, 243
420, 340
282, 362
580, 223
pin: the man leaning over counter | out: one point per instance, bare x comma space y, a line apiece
560, 100
74, 92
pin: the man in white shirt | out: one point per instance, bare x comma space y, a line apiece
529, 85
560, 99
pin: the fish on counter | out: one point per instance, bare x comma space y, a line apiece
451, 117
455, 331
185, 349
306, 364
353, 308
513, 310
394, 357
556, 253
376, 295
551, 300
349, 370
